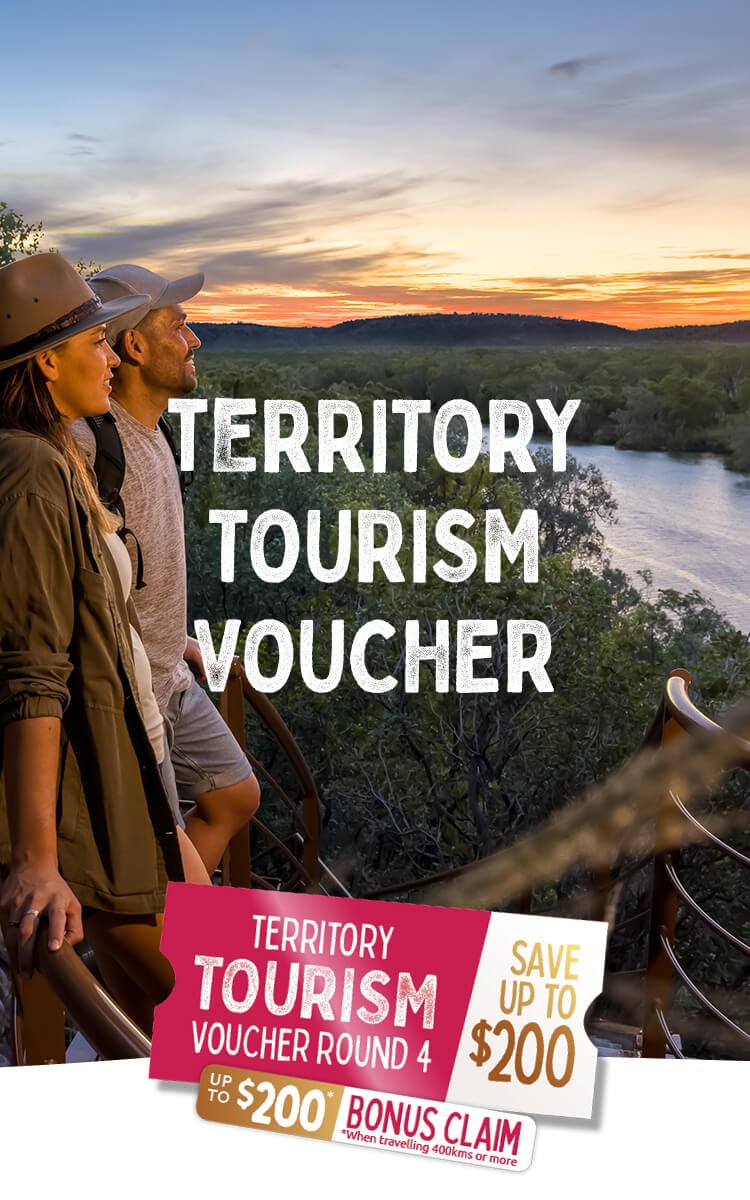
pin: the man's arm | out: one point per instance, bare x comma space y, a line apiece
194, 658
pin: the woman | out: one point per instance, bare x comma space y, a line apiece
87, 834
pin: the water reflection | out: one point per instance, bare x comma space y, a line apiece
684, 518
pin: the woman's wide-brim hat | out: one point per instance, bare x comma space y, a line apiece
44, 301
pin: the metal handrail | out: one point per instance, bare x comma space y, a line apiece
669, 1039
699, 995
725, 848
282, 846
109, 1030
699, 912
63, 983
678, 715
677, 706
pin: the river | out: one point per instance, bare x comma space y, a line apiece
684, 518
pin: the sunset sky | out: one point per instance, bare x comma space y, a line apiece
322, 161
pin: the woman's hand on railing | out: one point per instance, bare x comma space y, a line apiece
28, 893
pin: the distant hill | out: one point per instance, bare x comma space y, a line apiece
456, 329
735, 333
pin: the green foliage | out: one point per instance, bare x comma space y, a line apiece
422, 782
419, 783
18, 238
650, 397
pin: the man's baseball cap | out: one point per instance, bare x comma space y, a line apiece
128, 280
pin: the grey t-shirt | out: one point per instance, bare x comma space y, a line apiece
153, 510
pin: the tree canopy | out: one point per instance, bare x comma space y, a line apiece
18, 237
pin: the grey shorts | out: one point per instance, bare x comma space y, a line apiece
203, 754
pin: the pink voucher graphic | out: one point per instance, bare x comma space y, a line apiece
472, 1007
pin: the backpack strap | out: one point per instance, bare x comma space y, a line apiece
124, 533
185, 477
109, 464
109, 468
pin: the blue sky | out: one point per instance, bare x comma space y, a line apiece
323, 161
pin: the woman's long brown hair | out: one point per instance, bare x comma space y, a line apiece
26, 403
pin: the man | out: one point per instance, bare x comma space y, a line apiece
156, 345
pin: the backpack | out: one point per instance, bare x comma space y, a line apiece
109, 468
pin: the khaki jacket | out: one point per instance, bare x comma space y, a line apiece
65, 651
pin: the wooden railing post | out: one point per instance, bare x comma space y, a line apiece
659, 971
662, 915
39, 1033
236, 866
309, 821
601, 880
